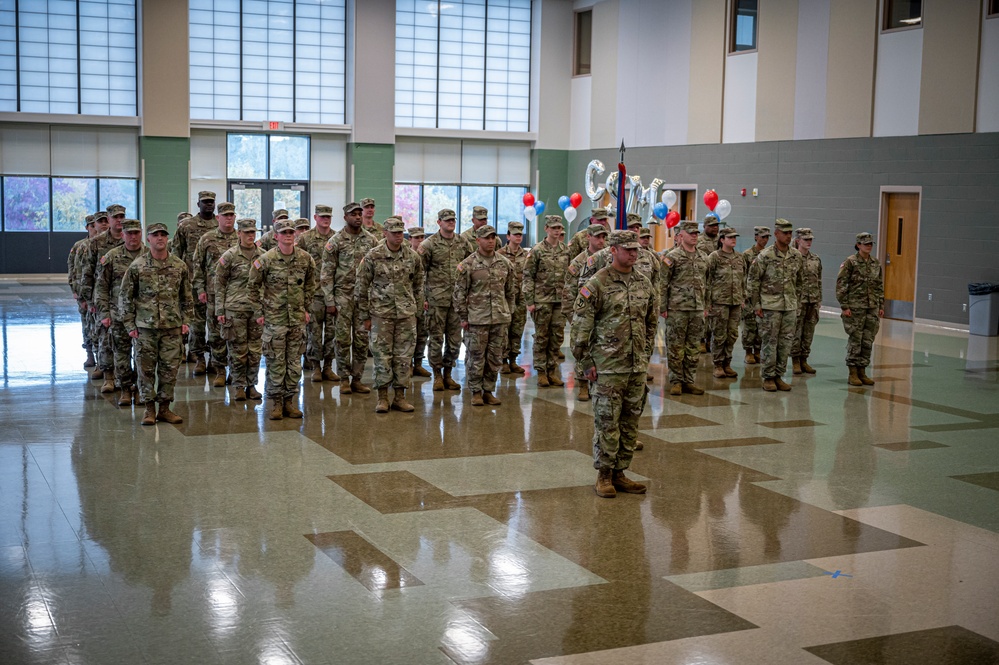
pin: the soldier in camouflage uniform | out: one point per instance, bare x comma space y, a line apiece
320, 349
210, 248
389, 295
860, 291
480, 217
110, 272
724, 296
809, 302
708, 242
774, 284
267, 241
184, 245
750, 324
596, 236
517, 255
281, 285
98, 247
441, 254
156, 304
684, 269
544, 280
615, 321
598, 216
80, 264
235, 314
341, 256
416, 236
78, 248
484, 297
368, 222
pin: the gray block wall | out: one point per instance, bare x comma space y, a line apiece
834, 187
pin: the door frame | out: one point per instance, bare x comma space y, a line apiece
883, 232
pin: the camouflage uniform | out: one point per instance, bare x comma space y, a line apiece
706, 245
110, 272
615, 323
544, 280
209, 250
484, 296
809, 302
774, 285
99, 245
518, 316
75, 251
341, 256
156, 300
281, 287
441, 257
267, 241
683, 299
750, 323
860, 288
725, 295
241, 331
89, 318
389, 293
573, 282
321, 340
183, 245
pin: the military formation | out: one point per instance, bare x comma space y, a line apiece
304, 295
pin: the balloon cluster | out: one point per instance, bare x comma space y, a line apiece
568, 204
532, 208
662, 210
721, 209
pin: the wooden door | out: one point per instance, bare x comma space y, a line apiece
900, 230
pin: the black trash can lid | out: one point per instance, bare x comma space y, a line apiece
982, 288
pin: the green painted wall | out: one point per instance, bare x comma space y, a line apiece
166, 163
373, 164
552, 167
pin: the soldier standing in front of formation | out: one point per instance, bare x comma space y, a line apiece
235, 312
184, 245
416, 236
75, 251
441, 253
156, 304
320, 349
809, 302
615, 321
211, 246
725, 294
544, 280
517, 255
860, 290
389, 295
484, 296
774, 284
281, 285
596, 236
99, 246
750, 324
110, 272
684, 268
341, 256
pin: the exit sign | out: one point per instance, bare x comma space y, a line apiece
273, 126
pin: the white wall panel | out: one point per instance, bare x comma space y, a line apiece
428, 161
896, 84
739, 120
208, 163
988, 78
579, 113
329, 173
671, 73
24, 150
810, 75
91, 151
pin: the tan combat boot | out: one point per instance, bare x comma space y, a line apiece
438, 380
97, 374
328, 373
108, 386
149, 417
691, 389
220, 378
854, 379
543, 381
125, 399
90, 361
253, 393
604, 486
399, 403
703, 348
166, 415
805, 367
240, 395
729, 372
382, 405
639, 445
200, 369
864, 379
317, 374
277, 410
584, 391
345, 386
505, 367
782, 385
555, 379
675, 389
750, 358
289, 408
796, 365
769, 385
623, 484
477, 398
358, 387
450, 383
719, 372
419, 371
490, 399
561, 354
514, 367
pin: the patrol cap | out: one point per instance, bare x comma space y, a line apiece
624, 239
646, 232
728, 232
131, 225
417, 232
478, 212
367, 202
445, 214
783, 225
689, 226
485, 231
226, 208
246, 224
90, 220
116, 209
323, 210
553, 220
634, 219
283, 225
514, 228
351, 207
865, 238
394, 225
711, 219
761, 231
206, 196
302, 223
399, 217
280, 212
597, 230
183, 215
99, 215
804, 233
599, 213
157, 227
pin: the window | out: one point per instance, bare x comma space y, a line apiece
267, 157
744, 25
418, 204
72, 200
27, 201
68, 57
583, 43
993, 8
268, 60
463, 64
902, 14
26, 204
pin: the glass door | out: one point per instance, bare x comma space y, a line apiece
258, 200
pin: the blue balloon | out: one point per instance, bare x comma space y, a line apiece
563, 202
660, 210
539, 207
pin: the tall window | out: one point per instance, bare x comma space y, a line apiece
744, 25
418, 204
463, 64
268, 60
583, 43
902, 14
68, 57
61, 204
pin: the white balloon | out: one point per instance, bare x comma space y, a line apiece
612, 184
593, 169
723, 209
669, 198
570, 214
530, 213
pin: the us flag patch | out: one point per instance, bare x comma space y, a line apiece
585, 292
256, 264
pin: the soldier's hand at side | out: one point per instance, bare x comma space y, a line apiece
308, 317
426, 305
881, 314
530, 308
221, 318
591, 374
331, 310
759, 313
134, 334
185, 329
260, 320
106, 322
464, 325
665, 314
847, 313
367, 325
203, 298
93, 310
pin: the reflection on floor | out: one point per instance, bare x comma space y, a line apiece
826, 525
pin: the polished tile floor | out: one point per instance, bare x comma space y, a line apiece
826, 525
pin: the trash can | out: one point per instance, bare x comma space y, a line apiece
983, 309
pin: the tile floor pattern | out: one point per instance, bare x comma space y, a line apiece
826, 525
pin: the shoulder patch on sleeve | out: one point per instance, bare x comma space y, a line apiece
461, 267
256, 264
329, 246
667, 260
573, 270
222, 260
585, 292
589, 261
104, 259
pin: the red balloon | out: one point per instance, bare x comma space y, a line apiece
711, 199
575, 200
529, 199
672, 219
